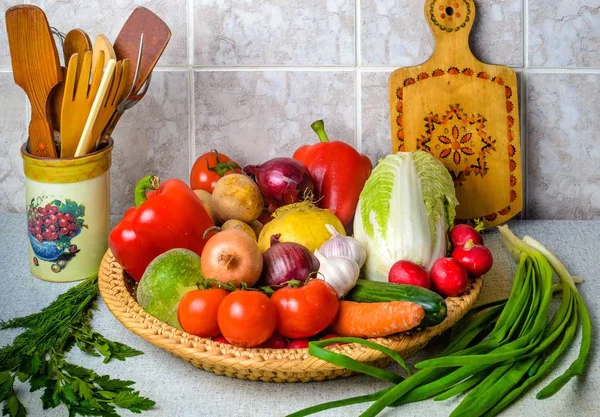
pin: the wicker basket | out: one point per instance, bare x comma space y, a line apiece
274, 365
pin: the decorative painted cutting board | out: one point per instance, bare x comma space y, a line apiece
465, 113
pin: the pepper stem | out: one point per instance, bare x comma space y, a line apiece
319, 128
150, 182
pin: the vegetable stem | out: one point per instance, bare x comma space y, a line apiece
319, 128
148, 183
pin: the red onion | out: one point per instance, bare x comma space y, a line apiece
285, 261
282, 181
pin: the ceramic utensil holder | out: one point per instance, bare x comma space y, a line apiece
68, 213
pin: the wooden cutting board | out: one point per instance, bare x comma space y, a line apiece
465, 113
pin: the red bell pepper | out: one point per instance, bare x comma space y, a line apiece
338, 171
169, 216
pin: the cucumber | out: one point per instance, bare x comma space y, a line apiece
375, 291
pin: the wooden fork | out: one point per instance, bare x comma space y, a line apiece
116, 93
77, 101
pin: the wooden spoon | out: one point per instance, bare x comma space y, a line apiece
86, 143
36, 69
78, 100
156, 37
102, 44
76, 42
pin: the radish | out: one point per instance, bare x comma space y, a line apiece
331, 336
462, 233
477, 259
274, 342
407, 272
449, 277
298, 344
221, 339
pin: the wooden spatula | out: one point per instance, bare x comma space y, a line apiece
156, 37
86, 143
102, 44
117, 91
463, 112
78, 100
36, 69
75, 42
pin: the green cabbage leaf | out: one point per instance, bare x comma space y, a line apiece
404, 212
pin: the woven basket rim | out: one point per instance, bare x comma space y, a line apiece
206, 353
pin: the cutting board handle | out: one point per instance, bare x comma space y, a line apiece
451, 22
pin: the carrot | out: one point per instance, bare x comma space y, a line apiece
376, 319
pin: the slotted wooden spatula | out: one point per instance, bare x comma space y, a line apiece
463, 112
77, 101
117, 91
36, 69
156, 37
76, 42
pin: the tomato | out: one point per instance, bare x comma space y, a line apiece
305, 311
209, 168
247, 318
197, 311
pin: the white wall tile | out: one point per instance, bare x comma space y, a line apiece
4, 52
376, 135
13, 133
563, 152
152, 138
255, 116
564, 33
395, 32
273, 33
107, 17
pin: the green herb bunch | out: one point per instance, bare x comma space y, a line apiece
37, 356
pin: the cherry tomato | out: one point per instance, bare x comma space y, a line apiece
247, 318
305, 311
209, 168
197, 311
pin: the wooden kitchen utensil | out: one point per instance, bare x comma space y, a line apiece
36, 69
465, 113
75, 42
117, 91
87, 142
102, 44
56, 97
78, 100
156, 37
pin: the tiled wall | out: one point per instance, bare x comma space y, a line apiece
249, 76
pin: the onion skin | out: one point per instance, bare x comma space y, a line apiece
232, 255
286, 261
282, 181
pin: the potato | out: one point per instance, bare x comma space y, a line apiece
239, 225
237, 197
206, 199
257, 226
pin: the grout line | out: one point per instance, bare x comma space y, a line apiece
341, 68
192, 121
357, 78
358, 110
525, 29
524, 144
523, 110
191, 87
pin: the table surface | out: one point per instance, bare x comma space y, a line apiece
179, 389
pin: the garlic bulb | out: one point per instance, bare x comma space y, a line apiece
339, 245
339, 272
